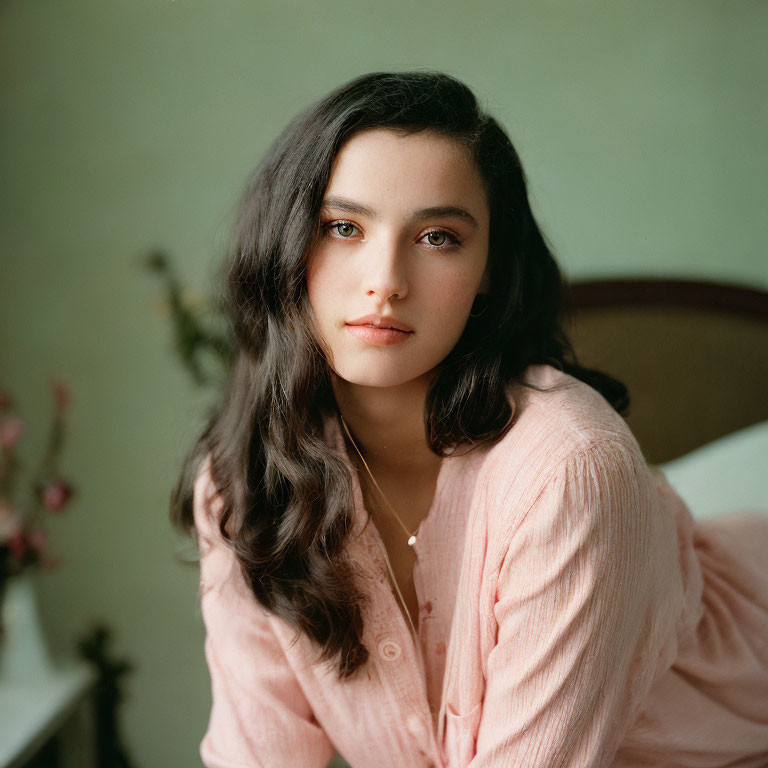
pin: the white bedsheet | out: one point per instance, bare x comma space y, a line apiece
727, 475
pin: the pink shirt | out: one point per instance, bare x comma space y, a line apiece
572, 615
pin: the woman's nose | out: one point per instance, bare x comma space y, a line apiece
386, 272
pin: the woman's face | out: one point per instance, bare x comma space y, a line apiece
403, 234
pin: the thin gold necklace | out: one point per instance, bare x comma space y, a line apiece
412, 536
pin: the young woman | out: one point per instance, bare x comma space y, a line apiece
427, 536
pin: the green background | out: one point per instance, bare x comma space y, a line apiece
129, 125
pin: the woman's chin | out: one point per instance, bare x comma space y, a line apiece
380, 375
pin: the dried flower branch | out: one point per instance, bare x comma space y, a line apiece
193, 331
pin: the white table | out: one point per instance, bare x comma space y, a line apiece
59, 706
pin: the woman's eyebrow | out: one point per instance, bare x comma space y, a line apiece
433, 212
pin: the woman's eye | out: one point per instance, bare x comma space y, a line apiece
343, 228
445, 240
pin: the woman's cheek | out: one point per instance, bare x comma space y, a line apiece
457, 299
320, 286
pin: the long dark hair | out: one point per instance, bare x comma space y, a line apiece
286, 495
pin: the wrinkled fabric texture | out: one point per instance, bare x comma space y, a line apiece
572, 614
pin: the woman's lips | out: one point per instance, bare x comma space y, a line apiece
379, 337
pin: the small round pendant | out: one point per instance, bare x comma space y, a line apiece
411, 541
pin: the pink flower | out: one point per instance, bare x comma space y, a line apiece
19, 544
56, 495
10, 432
61, 394
9, 521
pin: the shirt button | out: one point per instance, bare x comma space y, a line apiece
389, 650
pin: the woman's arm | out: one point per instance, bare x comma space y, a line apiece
586, 597
259, 717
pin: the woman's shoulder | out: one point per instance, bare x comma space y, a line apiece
567, 442
559, 419
564, 408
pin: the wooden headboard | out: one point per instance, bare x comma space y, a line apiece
693, 354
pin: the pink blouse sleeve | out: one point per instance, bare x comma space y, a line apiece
585, 598
259, 716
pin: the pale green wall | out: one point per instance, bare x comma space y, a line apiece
131, 124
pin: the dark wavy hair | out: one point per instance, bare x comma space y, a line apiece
286, 495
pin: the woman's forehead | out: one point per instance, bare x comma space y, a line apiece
422, 169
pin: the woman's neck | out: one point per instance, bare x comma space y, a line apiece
387, 425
